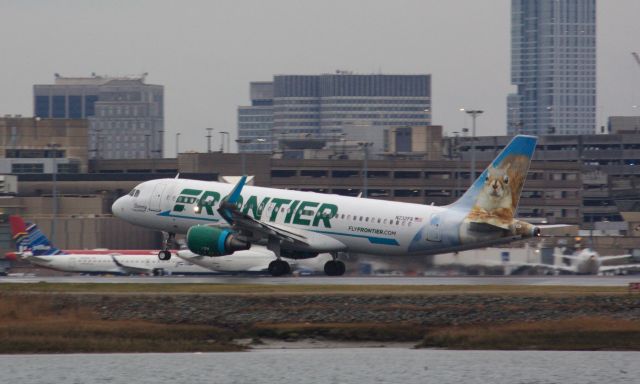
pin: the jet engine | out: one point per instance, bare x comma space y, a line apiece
212, 241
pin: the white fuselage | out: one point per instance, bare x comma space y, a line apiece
362, 225
147, 262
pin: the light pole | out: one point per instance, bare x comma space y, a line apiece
54, 176
177, 143
365, 182
209, 139
222, 136
474, 114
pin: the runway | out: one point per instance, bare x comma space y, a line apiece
577, 281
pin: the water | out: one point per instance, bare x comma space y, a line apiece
344, 366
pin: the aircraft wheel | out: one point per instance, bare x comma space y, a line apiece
279, 268
341, 269
331, 268
158, 272
164, 255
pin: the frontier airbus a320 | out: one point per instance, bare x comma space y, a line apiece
220, 219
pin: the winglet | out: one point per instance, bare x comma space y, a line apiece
231, 200
235, 192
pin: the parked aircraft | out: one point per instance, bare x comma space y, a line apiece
585, 262
220, 219
33, 246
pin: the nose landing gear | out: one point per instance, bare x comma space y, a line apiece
167, 242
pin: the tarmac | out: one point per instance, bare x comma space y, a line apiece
575, 281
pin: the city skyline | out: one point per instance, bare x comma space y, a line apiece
207, 54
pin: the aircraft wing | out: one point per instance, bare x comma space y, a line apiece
128, 268
614, 257
546, 266
288, 237
621, 267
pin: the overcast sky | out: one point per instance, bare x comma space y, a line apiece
205, 53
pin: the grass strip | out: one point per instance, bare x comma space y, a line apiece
160, 288
583, 333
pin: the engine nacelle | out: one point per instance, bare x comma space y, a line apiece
524, 229
212, 241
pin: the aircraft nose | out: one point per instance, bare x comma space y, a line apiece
117, 208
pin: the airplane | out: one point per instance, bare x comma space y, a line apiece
220, 219
33, 246
585, 262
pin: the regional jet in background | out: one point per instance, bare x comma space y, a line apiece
220, 219
33, 246
584, 262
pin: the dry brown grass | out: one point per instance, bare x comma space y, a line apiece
32, 324
584, 333
262, 289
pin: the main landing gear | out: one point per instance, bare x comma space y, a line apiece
167, 243
334, 268
279, 267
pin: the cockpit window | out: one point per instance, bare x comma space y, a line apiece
132, 192
137, 193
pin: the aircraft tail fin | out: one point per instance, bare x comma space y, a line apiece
29, 238
493, 197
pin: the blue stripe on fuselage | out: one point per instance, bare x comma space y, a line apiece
372, 240
168, 214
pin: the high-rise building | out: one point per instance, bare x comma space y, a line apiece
553, 65
353, 107
255, 122
126, 116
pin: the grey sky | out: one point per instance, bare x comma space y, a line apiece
205, 53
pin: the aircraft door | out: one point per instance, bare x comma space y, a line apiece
168, 197
156, 197
433, 230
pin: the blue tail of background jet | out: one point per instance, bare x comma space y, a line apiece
28, 237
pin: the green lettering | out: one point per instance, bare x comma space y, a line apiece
188, 199
325, 212
292, 208
276, 208
208, 201
252, 204
297, 219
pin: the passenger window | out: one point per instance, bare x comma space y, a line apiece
378, 220
360, 218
